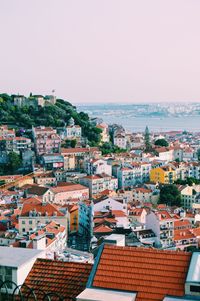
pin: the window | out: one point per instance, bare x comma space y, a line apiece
195, 288
6, 275
30, 222
23, 222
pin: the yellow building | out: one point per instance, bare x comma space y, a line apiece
163, 174
73, 227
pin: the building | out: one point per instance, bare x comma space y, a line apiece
47, 178
46, 140
189, 195
66, 193
143, 195
162, 224
52, 161
97, 166
34, 212
15, 264
99, 183
120, 140
6, 133
73, 131
105, 137
74, 158
137, 214
163, 174
62, 280
15, 144
109, 203
80, 218
127, 273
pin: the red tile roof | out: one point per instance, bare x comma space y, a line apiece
35, 205
102, 229
68, 279
151, 273
72, 187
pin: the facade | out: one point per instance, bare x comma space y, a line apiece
46, 140
120, 141
97, 166
73, 131
52, 161
64, 194
15, 144
81, 216
99, 183
105, 133
189, 196
15, 264
74, 158
162, 224
35, 212
108, 203
163, 175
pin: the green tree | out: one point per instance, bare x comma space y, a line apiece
147, 141
73, 143
14, 162
161, 142
170, 195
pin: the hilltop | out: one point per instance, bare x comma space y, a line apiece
20, 111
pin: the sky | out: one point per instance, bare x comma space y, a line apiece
100, 51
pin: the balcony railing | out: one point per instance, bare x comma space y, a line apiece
24, 292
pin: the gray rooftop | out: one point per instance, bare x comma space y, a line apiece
15, 257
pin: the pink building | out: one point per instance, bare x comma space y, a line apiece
46, 139
64, 194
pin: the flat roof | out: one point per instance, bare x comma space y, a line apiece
15, 257
103, 294
194, 268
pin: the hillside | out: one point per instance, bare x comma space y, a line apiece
56, 115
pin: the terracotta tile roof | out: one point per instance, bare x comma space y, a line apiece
35, 205
185, 223
136, 211
66, 188
143, 190
152, 273
102, 229
79, 150
37, 190
68, 279
183, 234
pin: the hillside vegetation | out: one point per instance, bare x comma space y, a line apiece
51, 115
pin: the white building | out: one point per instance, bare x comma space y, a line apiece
97, 166
99, 183
15, 264
110, 204
73, 131
120, 141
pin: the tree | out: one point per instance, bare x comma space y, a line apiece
198, 154
14, 162
170, 195
148, 147
161, 142
73, 143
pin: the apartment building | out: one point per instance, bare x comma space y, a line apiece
99, 183
46, 140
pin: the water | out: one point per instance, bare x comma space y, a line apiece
131, 120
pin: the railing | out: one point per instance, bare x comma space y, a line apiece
26, 293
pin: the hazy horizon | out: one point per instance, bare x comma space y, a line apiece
102, 51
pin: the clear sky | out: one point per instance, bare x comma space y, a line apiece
101, 50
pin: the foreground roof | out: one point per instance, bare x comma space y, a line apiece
16, 257
151, 273
68, 279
